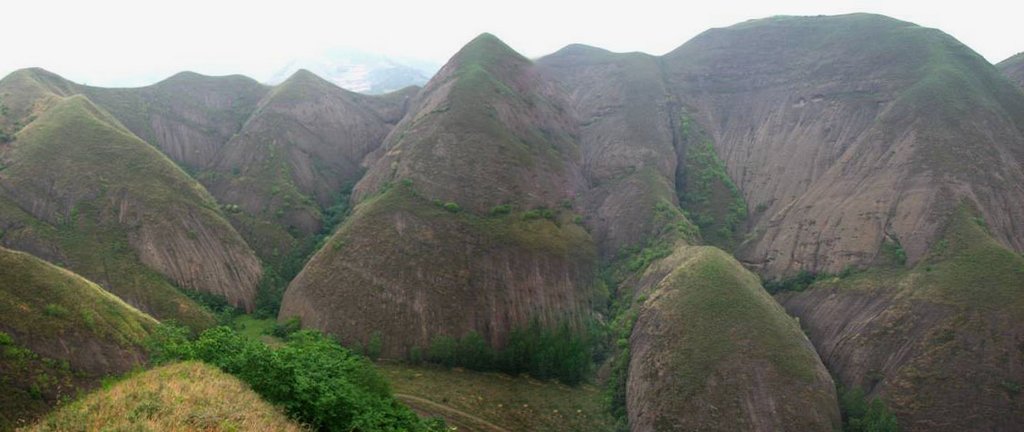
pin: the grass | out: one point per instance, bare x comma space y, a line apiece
182, 396
76, 148
44, 306
725, 312
511, 403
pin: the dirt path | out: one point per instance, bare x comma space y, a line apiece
454, 417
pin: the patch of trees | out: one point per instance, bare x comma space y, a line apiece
563, 352
315, 380
861, 415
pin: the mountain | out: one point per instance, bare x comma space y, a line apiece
294, 158
359, 71
891, 122
182, 396
79, 188
59, 333
812, 146
1013, 68
711, 350
463, 222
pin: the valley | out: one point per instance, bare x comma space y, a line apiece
790, 223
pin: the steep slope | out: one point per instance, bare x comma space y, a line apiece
711, 350
1013, 68
942, 342
182, 396
59, 333
849, 131
626, 119
295, 156
187, 116
463, 222
80, 189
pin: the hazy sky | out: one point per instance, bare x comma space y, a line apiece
110, 42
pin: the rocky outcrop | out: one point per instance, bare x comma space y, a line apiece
711, 350
463, 221
1013, 68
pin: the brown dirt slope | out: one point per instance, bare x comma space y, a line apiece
942, 343
711, 350
59, 333
847, 131
428, 251
78, 188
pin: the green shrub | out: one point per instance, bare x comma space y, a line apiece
315, 380
502, 209
6, 339
55, 310
374, 346
285, 329
859, 415
796, 283
452, 207
894, 252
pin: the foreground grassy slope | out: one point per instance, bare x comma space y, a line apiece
939, 342
58, 334
182, 396
80, 189
711, 350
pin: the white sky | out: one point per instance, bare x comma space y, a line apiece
112, 42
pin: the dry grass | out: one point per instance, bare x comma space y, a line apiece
187, 396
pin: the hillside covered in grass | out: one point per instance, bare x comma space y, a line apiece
180, 396
59, 333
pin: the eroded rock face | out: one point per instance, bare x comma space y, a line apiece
851, 146
711, 350
423, 253
627, 138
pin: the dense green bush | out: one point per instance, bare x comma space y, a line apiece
285, 329
859, 415
314, 379
797, 283
452, 207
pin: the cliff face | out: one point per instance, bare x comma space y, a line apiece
711, 350
83, 190
49, 315
627, 122
941, 342
1013, 68
428, 251
847, 131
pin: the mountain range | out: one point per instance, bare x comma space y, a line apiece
737, 235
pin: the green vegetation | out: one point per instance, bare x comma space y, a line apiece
562, 353
181, 396
859, 415
278, 274
465, 398
894, 253
706, 191
312, 378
